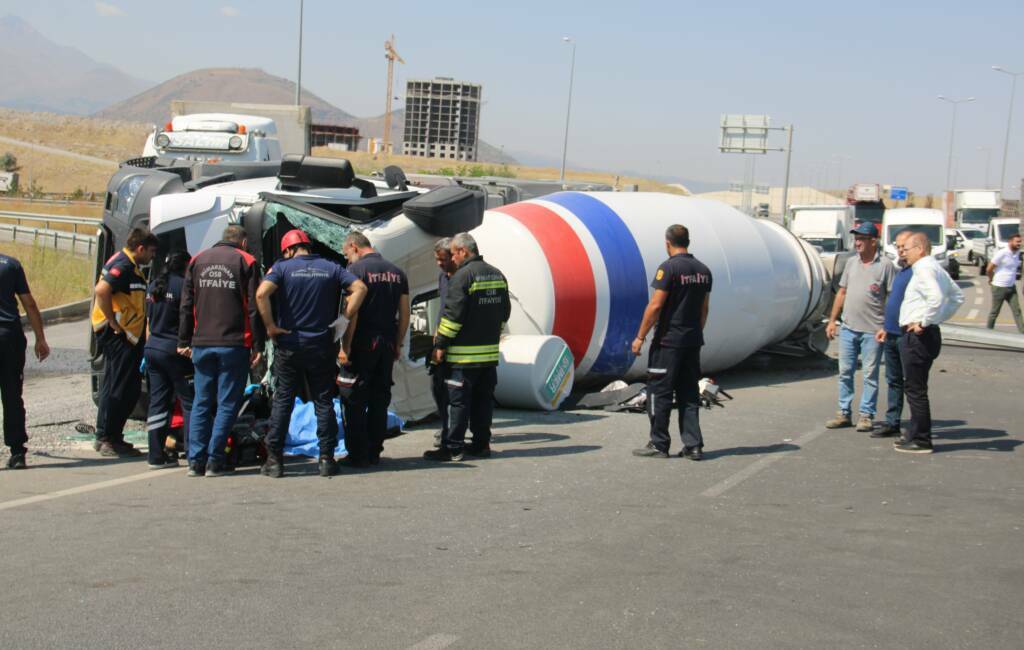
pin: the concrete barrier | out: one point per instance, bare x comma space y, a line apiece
62, 313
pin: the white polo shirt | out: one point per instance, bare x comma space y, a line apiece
1007, 264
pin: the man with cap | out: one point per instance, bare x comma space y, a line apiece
309, 290
860, 301
376, 343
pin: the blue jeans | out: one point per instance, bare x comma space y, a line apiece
851, 346
894, 379
220, 377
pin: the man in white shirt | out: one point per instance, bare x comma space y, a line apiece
931, 298
1002, 275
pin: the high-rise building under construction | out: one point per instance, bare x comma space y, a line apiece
442, 119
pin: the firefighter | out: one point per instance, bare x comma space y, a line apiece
220, 330
170, 374
476, 309
309, 289
119, 324
677, 312
376, 343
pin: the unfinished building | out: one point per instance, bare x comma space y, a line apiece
442, 119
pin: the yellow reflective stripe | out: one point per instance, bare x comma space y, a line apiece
489, 284
473, 349
471, 358
448, 328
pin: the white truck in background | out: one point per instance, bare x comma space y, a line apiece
974, 209
826, 227
929, 221
216, 137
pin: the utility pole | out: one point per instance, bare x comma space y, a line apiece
298, 77
568, 110
952, 135
1009, 122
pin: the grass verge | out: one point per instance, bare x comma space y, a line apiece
54, 277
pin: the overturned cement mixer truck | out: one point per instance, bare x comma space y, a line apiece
578, 263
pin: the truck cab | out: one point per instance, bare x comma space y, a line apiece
826, 227
929, 221
215, 137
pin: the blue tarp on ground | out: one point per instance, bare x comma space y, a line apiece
301, 440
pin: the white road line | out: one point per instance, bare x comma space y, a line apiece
750, 470
979, 300
91, 487
435, 642
971, 315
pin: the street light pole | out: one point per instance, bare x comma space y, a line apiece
568, 110
298, 77
1009, 122
952, 134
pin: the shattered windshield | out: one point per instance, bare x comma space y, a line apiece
326, 232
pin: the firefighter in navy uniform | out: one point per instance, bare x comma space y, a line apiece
679, 308
309, 290
119, 324
476, 309
375, 344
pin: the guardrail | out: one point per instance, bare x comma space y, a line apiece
28, 199
73, 242
46, 219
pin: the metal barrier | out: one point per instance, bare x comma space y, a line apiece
72, 242
46, 219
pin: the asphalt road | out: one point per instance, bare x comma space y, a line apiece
786, 536
978, 302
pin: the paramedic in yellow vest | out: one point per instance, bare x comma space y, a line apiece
119, 323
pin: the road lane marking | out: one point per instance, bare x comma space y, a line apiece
971, 315
979, 300
91, 487
752, 469
435, 642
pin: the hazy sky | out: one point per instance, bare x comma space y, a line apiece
858, 80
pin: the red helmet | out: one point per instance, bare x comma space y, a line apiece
293, 238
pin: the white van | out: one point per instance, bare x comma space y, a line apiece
929, 221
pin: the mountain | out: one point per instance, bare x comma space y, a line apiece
221, 84
39, 75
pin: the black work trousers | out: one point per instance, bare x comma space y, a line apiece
918, 352
12, 379
366, 410
317, 365
170, 375
674, 373
439, 389
121, 386
470, 406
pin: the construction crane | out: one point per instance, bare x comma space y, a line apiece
391, 55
